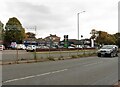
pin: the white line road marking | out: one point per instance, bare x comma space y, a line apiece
93, 63
59, 71
27, 77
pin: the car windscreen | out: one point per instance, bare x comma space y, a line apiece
29, 46
107, 47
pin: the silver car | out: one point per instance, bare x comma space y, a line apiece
108, 50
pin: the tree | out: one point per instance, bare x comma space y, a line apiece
111, 39
1, 31
102, 37
14, 31
105, 38
30, 35
94, 34
117, 36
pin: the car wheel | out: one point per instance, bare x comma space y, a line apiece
99, 55
112, 55
33, 50
116, 55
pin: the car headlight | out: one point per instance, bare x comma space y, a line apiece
98, 51
109, 51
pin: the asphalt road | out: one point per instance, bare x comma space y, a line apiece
82, 71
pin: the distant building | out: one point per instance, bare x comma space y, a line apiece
41, 41
52, 40
73, 42
30, 41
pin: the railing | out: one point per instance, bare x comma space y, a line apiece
10, 56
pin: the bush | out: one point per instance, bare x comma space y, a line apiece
61, 58
51, 58
80, 55
41, 57
74, 56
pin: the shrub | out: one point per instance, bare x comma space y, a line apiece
74, 56
51, 58
61, 58
80, 55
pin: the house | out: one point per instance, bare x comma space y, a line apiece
41, 42
29, 41
52, 40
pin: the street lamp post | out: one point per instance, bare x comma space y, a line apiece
78, 27
50, 43
17, 48
34, 28
35, 57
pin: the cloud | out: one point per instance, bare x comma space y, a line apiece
40, 15
60, 16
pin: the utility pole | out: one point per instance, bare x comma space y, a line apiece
78, 29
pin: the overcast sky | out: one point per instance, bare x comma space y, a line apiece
60, 16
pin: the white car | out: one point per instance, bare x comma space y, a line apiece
71, 47
31, 48
79, 46
42, 47
21, 46
2, 47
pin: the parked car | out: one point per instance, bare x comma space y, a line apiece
79, 46
21, 46
108, 50
2, 47
13, 45
31, 48
42, 47
60, 46
71, 47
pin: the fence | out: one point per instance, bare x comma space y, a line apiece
18, 56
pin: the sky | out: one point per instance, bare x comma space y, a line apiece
60, 16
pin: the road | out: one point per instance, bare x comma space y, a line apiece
80, 71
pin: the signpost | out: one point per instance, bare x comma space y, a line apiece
66, 41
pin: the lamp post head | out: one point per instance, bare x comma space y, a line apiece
81, 12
